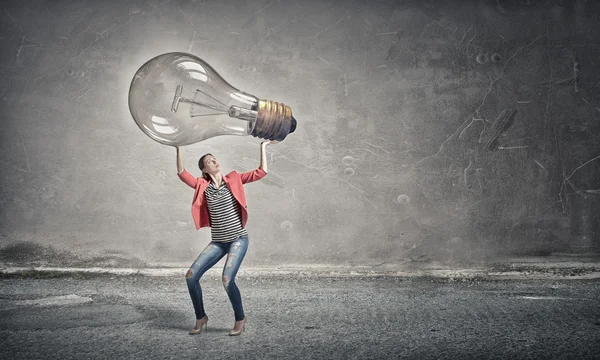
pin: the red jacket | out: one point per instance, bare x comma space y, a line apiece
234, 181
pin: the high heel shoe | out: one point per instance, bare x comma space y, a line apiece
235, 332
198, 330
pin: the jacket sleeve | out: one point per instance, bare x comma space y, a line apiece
187, 178
250, 176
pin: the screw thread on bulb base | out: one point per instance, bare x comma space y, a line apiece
274, 121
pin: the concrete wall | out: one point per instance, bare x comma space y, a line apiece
427, 130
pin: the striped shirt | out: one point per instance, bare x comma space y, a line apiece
224, 213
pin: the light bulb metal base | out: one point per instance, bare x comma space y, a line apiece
274, 120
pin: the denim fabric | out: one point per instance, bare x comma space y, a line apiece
214, 251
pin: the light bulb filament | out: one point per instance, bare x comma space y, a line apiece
200, 91
178, 99
233, 111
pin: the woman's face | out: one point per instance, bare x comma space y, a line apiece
211, 166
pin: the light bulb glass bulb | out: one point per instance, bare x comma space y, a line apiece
179, 99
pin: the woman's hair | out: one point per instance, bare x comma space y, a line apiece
201, 166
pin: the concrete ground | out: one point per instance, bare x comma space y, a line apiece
296, 315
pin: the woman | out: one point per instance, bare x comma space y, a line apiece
220, 203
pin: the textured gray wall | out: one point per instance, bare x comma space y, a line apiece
393, 160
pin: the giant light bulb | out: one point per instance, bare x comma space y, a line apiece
178, 99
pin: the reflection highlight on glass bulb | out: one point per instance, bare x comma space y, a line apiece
179, 99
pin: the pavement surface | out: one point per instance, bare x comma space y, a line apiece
120, 315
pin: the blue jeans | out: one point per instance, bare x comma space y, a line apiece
235, 250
